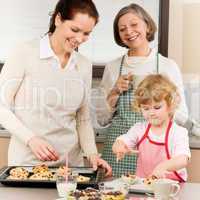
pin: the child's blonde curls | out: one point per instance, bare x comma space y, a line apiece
155, 88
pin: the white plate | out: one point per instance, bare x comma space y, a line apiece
131, 181
115, 185
140, 188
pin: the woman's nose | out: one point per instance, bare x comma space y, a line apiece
129, 30
80, 38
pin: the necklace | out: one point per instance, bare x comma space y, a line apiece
131, 53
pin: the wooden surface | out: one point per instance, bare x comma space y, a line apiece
4, 142
194, 166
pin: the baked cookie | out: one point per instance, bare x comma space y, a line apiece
129, 178
16, 178
18, 173
115, 195
46, 175
40, 169
62, 170
87, 194
82, 179
150, 180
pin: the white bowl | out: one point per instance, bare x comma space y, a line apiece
115, 185
130, 179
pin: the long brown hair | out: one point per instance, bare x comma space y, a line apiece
68, 8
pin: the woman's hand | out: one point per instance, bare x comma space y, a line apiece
122, 83
42, 149
120, 149
96, 161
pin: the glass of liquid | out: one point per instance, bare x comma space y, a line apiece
65, 185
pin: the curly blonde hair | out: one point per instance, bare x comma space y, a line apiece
155, 88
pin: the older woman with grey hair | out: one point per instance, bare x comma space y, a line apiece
134, 29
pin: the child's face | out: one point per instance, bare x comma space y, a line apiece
156, 113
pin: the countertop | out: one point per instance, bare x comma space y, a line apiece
188, 191
100, 138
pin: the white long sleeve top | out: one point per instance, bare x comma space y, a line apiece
140, 67
39, 98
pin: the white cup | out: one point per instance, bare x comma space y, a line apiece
64, 187
165, 189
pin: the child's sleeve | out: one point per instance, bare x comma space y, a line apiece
181, 143
132, 136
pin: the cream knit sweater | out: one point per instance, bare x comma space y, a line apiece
39, 99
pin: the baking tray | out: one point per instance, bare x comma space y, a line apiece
95, 177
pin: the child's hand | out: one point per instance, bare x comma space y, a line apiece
160, 172
120, 149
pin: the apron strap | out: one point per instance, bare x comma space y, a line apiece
167, 139
167, 151
121, 64
120, 73
144, 136
157, 63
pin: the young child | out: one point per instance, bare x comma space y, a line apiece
161, 144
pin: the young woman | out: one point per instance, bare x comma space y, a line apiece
163, 146
44, 92
134, 29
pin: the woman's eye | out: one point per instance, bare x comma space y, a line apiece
122, 29
75, 30
133, 25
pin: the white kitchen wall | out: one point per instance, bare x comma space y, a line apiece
22, 20
184, 48
101, 47
183, 31
191, 55
175, 31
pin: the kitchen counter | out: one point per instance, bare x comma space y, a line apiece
188, 191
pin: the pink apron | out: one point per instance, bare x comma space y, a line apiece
152, 153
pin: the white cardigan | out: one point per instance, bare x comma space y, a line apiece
40, 99
140, 66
